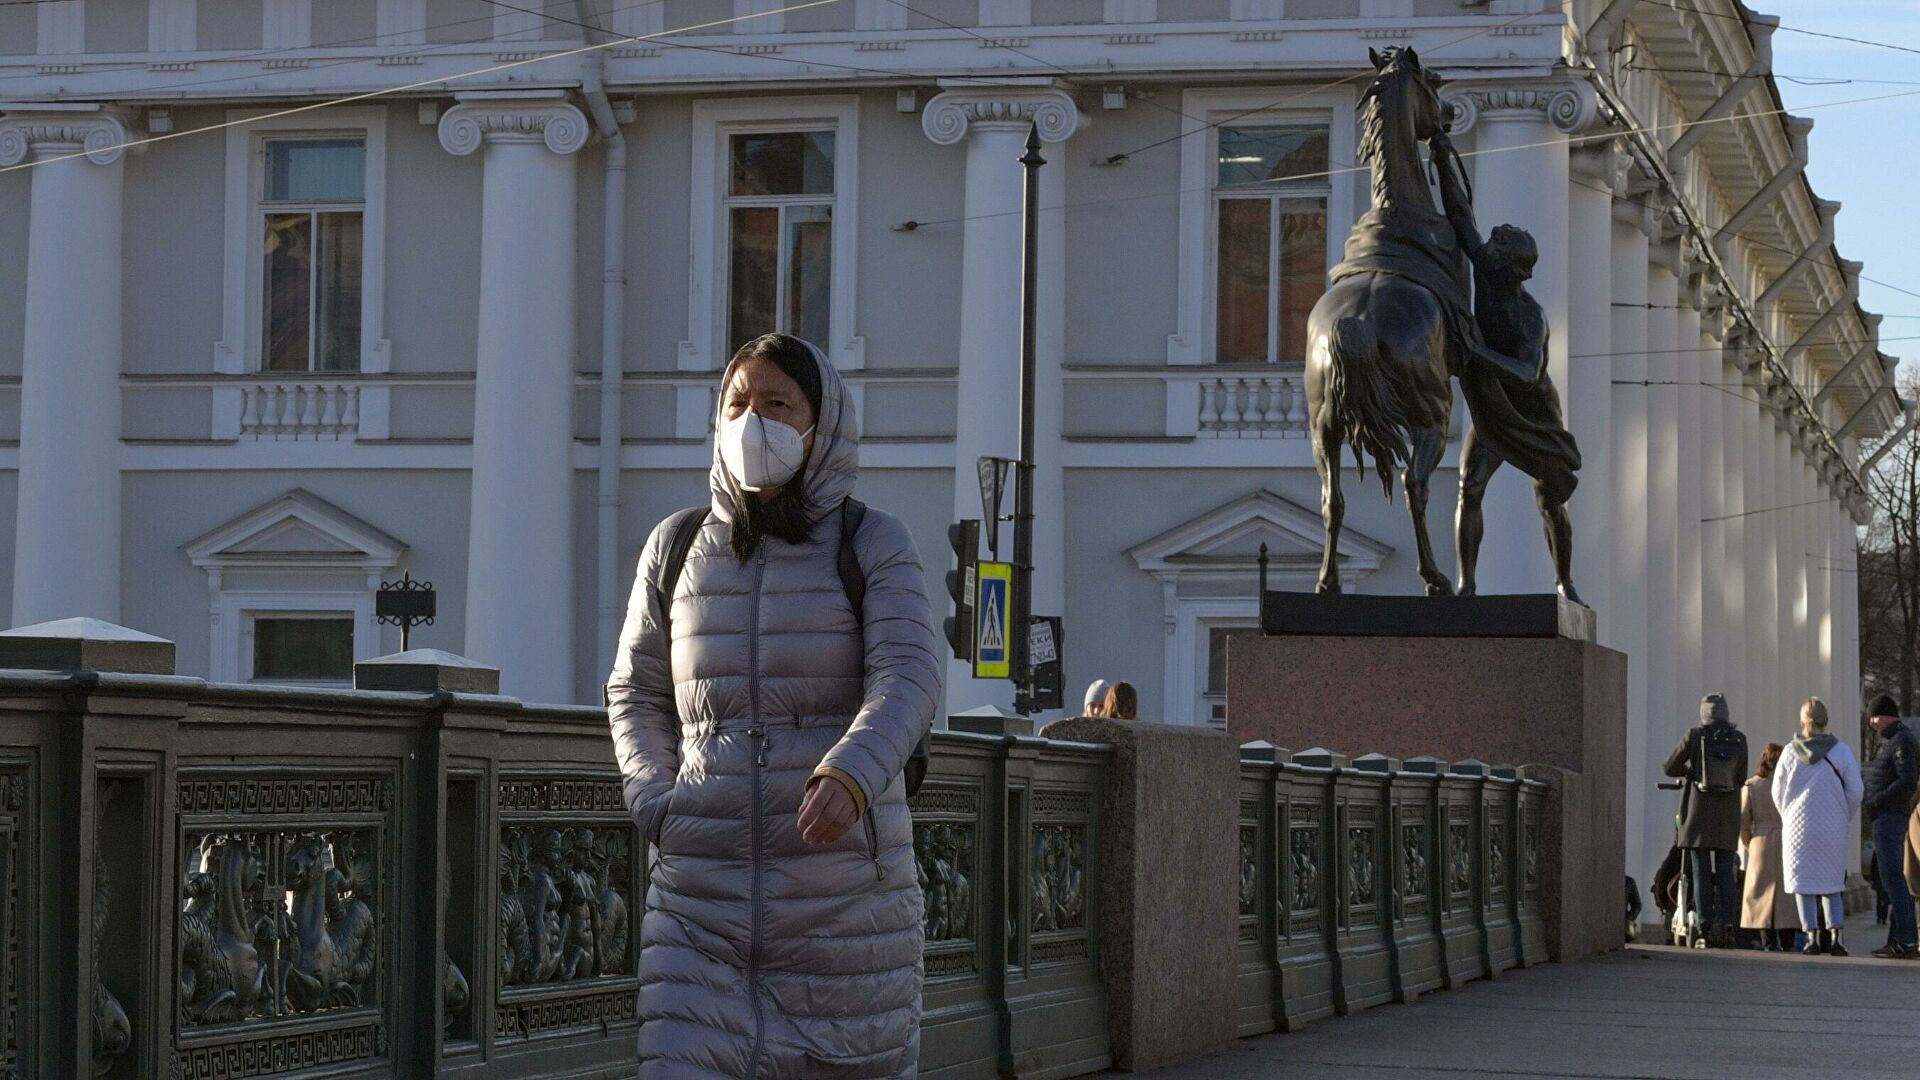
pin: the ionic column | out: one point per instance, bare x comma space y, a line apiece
1727, 537
1766, 518
1625, 628
520, 581
1757, 558
1521, 172
1689, 607
1587, 390
66, 558
1711, 529
1664, 700
993, 122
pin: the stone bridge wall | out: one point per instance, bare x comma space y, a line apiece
211, 881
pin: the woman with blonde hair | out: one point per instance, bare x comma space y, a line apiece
1766, 906
1817, 788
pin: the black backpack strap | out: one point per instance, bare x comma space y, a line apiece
685, 526
853, 577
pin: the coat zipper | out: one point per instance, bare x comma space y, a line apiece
873, 846
759, 825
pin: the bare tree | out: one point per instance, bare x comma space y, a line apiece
1889, 574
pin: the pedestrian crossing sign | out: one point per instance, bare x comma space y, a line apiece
993, 610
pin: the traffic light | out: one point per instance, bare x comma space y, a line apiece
964, 537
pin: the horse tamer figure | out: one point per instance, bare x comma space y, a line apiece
1398, 324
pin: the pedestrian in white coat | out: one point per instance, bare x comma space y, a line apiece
1817, 788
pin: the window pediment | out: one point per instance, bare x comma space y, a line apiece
298, 529
1228, 538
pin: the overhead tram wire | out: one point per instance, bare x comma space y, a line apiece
420, 85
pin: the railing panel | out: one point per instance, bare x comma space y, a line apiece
1303, 807
1497, 869
1532, 816
1362, 901
1053, 991
1413, 848
1463, 935
959, 852
1257, 982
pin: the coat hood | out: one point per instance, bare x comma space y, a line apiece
832, 466
1713, 710
1813, 750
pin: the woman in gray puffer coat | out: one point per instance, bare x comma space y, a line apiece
762, 730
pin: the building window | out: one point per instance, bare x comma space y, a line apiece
313, 204
1270, 192
779, 235
775, 188
1214, 701
302, 646
305, 244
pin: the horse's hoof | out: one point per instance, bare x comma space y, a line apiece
1439, 588
1328, 588
1567, 593
1467, 590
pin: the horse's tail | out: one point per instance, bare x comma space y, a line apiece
1363, 404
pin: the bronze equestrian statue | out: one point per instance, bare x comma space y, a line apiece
1396, 326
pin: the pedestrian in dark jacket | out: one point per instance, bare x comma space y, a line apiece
1890, 780
1712, 759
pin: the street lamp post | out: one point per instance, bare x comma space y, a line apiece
1023, 698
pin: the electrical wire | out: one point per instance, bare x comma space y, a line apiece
422, 84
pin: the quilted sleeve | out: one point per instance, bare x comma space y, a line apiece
903, 660
640, 707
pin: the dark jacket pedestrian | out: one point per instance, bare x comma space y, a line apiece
1709, 816
1712, 759
1890, 778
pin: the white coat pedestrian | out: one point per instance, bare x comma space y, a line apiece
1817, 788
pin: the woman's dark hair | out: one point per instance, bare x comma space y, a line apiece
785, 514
1123, 702
1769, 758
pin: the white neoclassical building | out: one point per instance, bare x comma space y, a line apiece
464, 321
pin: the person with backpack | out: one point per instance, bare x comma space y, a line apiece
778, 668
1712, 759
1816, 785
1890, 781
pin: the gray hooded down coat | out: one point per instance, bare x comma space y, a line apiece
760, 955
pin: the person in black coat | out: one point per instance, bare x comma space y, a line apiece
1712, 759
1889, 781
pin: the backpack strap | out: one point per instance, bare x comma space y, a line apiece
685, 528
853, 577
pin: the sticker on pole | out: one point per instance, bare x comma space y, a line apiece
993, 608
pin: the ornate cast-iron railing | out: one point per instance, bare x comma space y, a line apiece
231, 882
1352, 894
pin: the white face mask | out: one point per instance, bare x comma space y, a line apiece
761, 453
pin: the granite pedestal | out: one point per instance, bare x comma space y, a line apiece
1539, 699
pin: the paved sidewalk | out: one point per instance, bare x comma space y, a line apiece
1650, 1013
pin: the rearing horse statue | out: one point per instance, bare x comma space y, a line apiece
1382, 340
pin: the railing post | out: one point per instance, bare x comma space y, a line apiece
87, 804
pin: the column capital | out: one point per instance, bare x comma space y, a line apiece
537, 117
1596, 160
953, 113
58, 129
1568, 104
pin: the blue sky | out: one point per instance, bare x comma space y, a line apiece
1866, 156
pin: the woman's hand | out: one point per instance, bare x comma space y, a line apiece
826, 812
